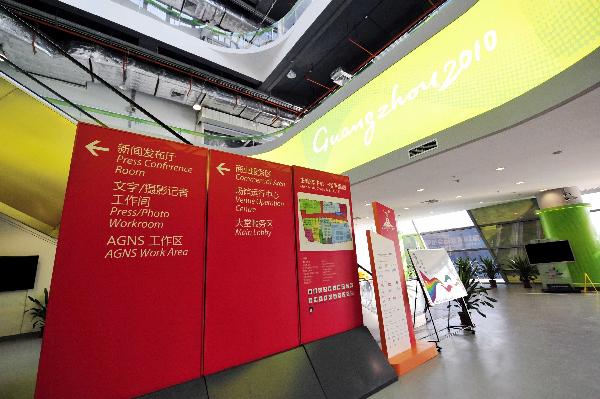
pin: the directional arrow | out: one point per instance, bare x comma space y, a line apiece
222, 169
92, 147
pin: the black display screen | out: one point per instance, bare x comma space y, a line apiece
17, 272
549, 252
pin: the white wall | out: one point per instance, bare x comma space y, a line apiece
16, 239
360, 240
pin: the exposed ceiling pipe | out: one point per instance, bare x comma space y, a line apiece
219, 14
123, 47
131, 74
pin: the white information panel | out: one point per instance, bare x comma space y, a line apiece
391, 300
438, 275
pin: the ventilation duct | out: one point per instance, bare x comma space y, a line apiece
131, 74
213, 13
423, 148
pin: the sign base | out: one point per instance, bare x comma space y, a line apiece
284, 375
414, 357
350, 365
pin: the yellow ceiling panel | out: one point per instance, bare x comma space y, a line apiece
35, 154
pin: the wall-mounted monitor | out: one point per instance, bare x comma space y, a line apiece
549, 252
17, 272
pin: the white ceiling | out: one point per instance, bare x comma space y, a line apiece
525, 151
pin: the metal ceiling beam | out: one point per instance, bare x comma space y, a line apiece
89, 71
143, 54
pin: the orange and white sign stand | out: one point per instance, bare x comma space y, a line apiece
396, 329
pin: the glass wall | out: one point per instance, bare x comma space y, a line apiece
463, 242
454, 232
594, 200
507, 227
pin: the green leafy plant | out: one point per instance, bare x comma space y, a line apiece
527, 272
490, 268
477, 297
38, 312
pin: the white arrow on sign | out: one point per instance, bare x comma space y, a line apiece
92, 147
222, 169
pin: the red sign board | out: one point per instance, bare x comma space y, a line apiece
385, 224
251, 284
327, 268
129, 269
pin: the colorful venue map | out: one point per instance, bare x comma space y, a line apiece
325, 222
431, 285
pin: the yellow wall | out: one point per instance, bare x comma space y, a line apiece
35, 154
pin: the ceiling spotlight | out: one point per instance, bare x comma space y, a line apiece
122, 87
481, 202
520, 182
459, 196
420, 189
367, 204
499, 168
197, 106
406, 209
291, 74
543, 189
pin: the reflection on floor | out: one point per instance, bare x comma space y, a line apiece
532, 345
18, 367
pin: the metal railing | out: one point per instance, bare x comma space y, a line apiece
215, 35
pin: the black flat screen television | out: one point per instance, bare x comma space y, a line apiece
549, 252
17, 272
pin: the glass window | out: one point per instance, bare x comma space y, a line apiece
593, 199
468, 238
405, 227
445, 221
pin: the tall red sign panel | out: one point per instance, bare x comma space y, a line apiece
251, 284
327, 271
129, 269
385, 224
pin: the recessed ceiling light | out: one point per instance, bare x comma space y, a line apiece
197, 107
543, 189
420, 189
431, 212
367, 217
406, 209
459, 196
520, 182
499, 168
481, 202
367, 204
291, 74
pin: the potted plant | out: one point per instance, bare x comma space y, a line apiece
38, 311
491, 269
476, 297
527, 272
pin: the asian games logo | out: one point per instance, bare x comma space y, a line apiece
387, 225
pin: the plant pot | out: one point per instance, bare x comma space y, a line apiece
465, 320
493, 283
527, 284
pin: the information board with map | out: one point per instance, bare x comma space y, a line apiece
325, 223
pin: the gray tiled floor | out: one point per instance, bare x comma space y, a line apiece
532, 345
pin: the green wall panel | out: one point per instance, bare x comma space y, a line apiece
573, 223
